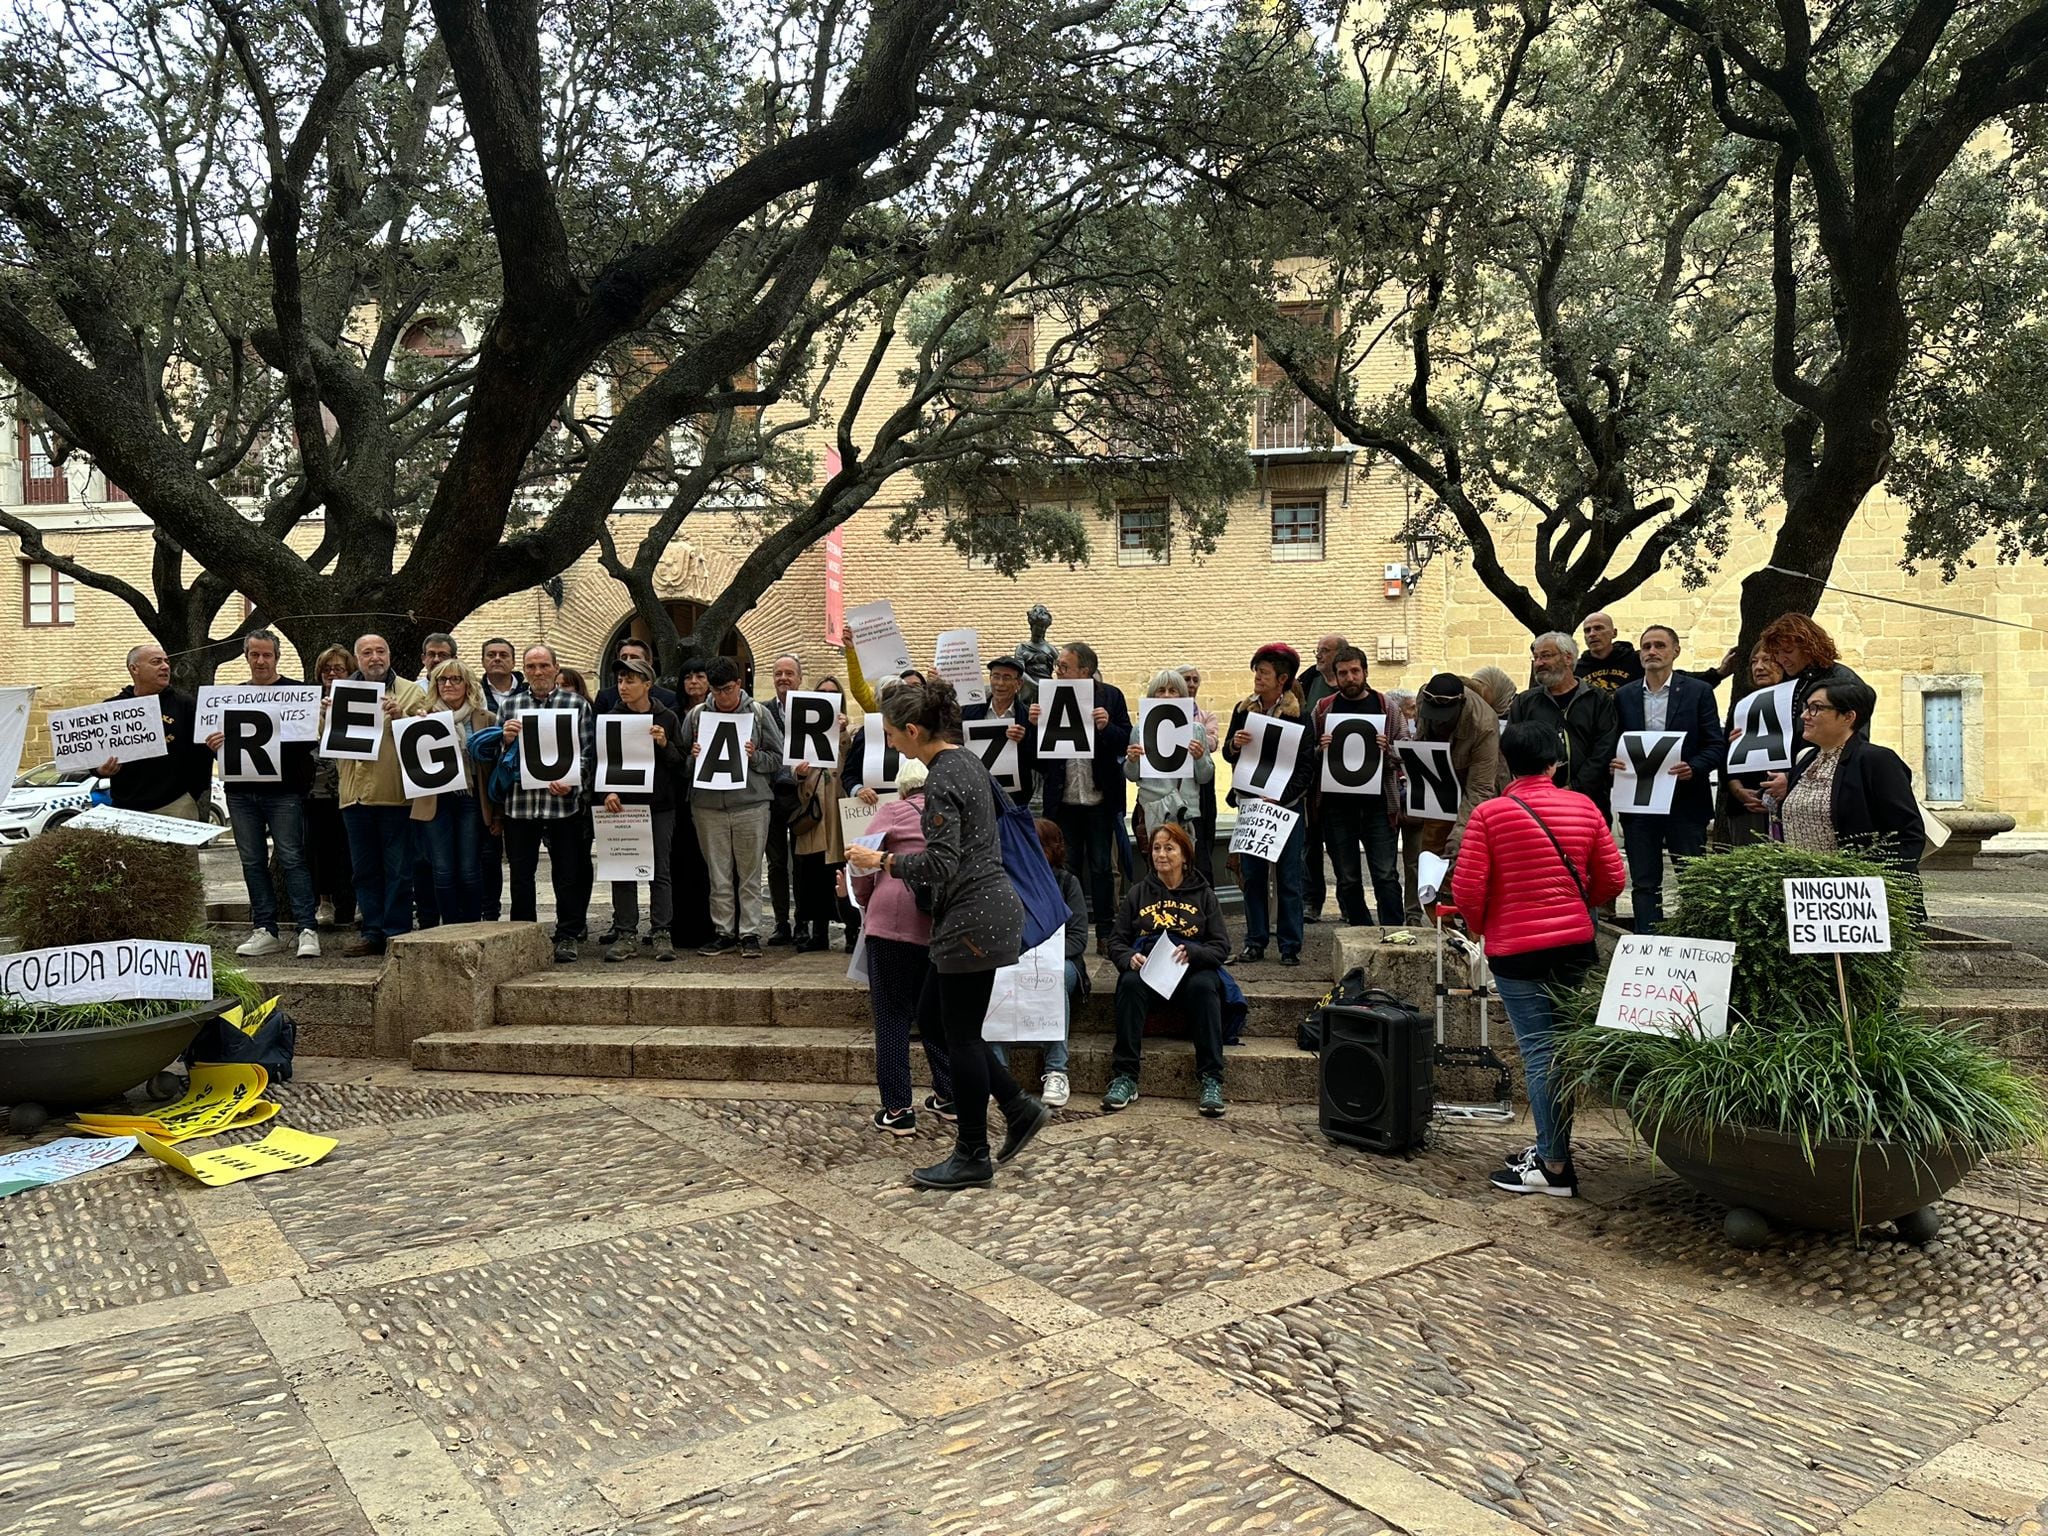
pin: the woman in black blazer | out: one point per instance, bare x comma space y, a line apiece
1850, 793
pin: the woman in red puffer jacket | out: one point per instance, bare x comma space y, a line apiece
1536, 861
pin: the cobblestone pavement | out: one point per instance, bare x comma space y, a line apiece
538, 1307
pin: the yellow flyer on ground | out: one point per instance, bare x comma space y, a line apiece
254, 1113
215, 1098
282, 1148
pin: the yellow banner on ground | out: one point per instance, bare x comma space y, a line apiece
216, 1098
252, 1114
282, 1148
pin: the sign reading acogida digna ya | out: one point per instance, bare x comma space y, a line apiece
121, 970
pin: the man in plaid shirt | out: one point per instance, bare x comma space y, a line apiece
551, 816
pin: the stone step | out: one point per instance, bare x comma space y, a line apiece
329, 1000
1976, 969
1259, 1070
2010, 1021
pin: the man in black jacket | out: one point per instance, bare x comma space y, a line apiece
1606, 663
1664, 700
1582, 716
1085, 798
180, 783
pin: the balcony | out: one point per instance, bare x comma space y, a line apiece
1285, 422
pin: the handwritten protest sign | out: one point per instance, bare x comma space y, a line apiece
218, 1097
1263, 827
56, 1161
147, 825
117, 971
126, 730
1838, 915
855, 814
1668, 986
297, 708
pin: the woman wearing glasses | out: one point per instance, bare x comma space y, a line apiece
1849, 793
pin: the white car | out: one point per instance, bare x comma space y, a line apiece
48, 796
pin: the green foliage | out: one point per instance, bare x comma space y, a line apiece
74, 887
1740, 896
1906, 1082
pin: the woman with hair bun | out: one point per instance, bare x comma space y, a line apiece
977, 925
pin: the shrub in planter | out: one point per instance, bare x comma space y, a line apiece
80, 887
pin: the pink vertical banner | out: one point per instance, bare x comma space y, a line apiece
835, 569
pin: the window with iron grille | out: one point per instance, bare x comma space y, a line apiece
1298, 527
48, 597
1141, 533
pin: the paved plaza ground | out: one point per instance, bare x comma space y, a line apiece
530, 1305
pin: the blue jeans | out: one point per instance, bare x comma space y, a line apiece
1288, 874
1647, 838
1530, 1011
252, 814
1055, 1050
455, 839
380, 850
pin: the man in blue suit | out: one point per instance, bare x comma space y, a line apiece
1084, 797
1663, 700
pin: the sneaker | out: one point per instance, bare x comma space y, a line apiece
663, 947
1210, 1101
612, 935
943, 1108
721, 944
750, 946
1054, 1092
626, 947
902, 1122
309, 944
324, 916
1532, 1178
1122, 1094
261, 941
781, 936
566, 952
1521, 1157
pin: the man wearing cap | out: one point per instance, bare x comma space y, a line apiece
1583, 717
1447, 710
1006, 697
1359, 830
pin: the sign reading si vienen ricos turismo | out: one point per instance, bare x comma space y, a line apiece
1837, 915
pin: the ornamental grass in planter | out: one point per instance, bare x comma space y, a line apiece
1788, 1115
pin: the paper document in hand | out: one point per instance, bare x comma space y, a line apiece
1162, 971
870, 840
1430, 870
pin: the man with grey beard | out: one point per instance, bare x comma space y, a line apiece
1583, 717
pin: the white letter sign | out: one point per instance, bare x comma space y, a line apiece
1645, 786
1267, 763
878, 760
1837, 915
990, 738
127, 730
1066, 718
429, 758
722, 762
1166, 728
355, 721
249, 747
1353, 762
550, 748
1432, 784
625, 755
1760, 735
811, 729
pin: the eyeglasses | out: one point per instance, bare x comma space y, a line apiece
1810, 708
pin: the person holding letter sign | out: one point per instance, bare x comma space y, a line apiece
633, 687
455, 834
1745, 818
561, 749
732, 785
1447, 710
1005, 702
180, 783
1359, 793
1084, 796
817, 840
1170, 763
374, 808
1271, 774
1849, 793
1664, 700
263, 813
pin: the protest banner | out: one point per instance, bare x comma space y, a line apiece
1645, 786
1066, 718
878, 641
429, 754
1760, 731
855, 814
957, 659
297, 708
55, 1161
1353, 763
1668, 986
625, 755
1266, 765
218, 1097
722, 750
879, 761
249, 743
990, 740
353, 731
147, 825
811, 729
1166, 732
119, 970
282, 1148
122, 730
550, 748
1432, 784
623, 842
1263, 827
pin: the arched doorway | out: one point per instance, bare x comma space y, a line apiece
685, 615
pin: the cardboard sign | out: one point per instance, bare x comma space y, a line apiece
120, 970
55, 1161
879, 761
623, 842
125, 730
958, 661
354, 731
990, 740
1837, 915
625, 755
1066, 718
1263, 827
1353, 763
550, 748
878, 640
296, 706
722, 758
282, 1148
1267, 762
811, 729
429, 754
249, 747
1668, 986
1645, 787
147, 825
1433, 790
1760, 732
855, 814
1166, 731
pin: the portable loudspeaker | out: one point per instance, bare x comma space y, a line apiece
1377, 1075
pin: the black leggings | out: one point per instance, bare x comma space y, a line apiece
952, 1007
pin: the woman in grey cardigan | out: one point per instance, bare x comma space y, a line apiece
977, 926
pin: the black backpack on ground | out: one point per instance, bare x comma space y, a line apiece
1352, 990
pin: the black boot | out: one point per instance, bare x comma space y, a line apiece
967, 1168
1030, 1118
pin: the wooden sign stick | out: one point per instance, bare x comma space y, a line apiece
1842, 986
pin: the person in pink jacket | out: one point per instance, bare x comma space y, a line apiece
897, 934
1535, 863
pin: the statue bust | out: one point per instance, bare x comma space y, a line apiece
1037, 655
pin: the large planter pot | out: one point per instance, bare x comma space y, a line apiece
71, 1068
1764, 1177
